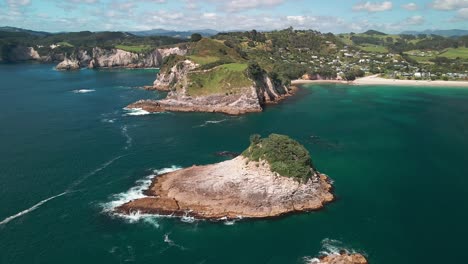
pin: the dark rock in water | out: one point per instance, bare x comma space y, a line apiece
316, 140
228, 154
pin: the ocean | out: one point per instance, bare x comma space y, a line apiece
69, 152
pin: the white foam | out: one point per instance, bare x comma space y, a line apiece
210, 122
32, 208
127, 136
171, 243
136, 112
134, 193
105, 120
330, 247
84, 91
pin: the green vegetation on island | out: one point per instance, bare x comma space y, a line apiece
286, 156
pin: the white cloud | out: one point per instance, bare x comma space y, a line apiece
449, 4
462, 14
411, 6
415, 20
14, 3
242, 5
373, 6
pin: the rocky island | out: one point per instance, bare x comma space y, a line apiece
273, 177
343, 258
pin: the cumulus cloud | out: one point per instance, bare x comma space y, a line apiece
373, 6
411, 6
449, 4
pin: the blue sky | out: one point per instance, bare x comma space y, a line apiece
327, 16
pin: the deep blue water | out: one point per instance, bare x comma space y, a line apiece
398, 156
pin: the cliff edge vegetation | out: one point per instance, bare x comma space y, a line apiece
285, 155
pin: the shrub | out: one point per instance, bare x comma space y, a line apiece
195, 37
285, 155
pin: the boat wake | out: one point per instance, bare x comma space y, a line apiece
82, 91
68, 190
32, 208
212, 122
86, 176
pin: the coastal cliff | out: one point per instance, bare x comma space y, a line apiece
111, 58
239, 188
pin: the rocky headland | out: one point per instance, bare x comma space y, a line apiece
253, 185
224, 85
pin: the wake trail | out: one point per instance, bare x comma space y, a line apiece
75, 183
102, 167
68, 190
34, 207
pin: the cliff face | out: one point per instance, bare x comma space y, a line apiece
175, 79
104, 58
97, 58
21, 53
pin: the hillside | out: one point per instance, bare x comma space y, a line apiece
56, 46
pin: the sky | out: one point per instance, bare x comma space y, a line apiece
334, 16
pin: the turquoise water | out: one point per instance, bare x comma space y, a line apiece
397, 156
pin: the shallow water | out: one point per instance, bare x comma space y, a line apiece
397, 156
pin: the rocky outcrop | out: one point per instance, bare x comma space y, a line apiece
176, 74
175, 79
343, 258
21, 53
68, 64
235, 104
231, 189
270, 92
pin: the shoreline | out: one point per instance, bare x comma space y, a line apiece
376, 80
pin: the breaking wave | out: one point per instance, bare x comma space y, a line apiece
32, 208
81, 91
330, 247
135, 112
133, 193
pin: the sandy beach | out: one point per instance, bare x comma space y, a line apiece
376, 80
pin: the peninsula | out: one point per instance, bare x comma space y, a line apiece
273, 177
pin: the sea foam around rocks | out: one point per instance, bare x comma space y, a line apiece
133, 193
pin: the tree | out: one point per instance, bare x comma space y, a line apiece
195, 37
